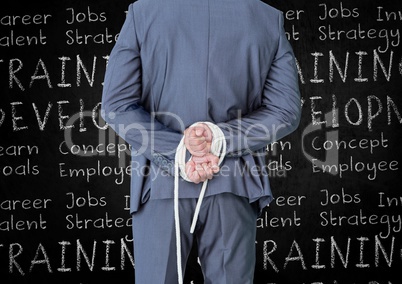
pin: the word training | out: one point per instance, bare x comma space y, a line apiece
385, 252
95, 256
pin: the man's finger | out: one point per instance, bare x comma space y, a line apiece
198, 131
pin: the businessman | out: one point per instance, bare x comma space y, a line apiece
184, 70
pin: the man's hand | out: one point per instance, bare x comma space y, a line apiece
197, 140
203, 165
199, 169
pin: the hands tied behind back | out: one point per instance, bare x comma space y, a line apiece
203, 164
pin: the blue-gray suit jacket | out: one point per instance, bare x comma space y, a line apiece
177, 62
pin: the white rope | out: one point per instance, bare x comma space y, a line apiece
218, 148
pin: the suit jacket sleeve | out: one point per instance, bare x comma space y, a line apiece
280, 110
121, 102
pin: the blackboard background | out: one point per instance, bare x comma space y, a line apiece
305, 249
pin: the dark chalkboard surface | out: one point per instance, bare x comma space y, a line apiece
64, 176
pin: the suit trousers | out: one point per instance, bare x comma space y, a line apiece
225, 233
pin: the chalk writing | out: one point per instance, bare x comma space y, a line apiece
12, 222
337, 218
13, 38
354, 113
76, 221
386, 15
85, 201
384, 253
42, 262
18, 163
63, 120
88, 173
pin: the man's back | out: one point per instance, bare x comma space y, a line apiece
204, 60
